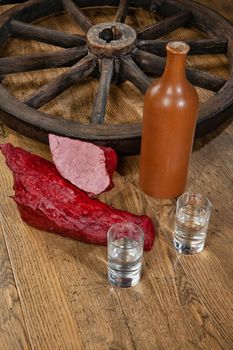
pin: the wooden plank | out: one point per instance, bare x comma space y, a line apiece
208, 272
13, 332
61, 267
211, 171
48, 317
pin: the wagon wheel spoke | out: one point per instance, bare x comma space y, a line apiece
6, 2
75, 74
49, 36
98, 112
134, 74
18, 22
74, 11
197, 47
154, 64
61, 58
165, 26
122, 11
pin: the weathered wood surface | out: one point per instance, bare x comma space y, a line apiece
107, 69
166, 26
61, 58
154, 64
13, 333
125, 138
122, 11
76, 73
74, 11
197, 47
54, 292
134, 74
44, 35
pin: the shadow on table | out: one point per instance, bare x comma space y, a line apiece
202, 141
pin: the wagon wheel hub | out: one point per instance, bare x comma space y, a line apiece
111, 39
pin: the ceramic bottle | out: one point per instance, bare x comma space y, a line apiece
169, 119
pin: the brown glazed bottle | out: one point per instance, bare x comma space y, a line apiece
169, 119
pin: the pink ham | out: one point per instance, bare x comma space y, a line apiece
85, 165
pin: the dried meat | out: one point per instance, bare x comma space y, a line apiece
51, 203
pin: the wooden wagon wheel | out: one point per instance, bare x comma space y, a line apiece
115, 52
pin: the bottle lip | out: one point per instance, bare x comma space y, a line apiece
178, 47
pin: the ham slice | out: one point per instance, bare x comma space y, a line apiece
85, 165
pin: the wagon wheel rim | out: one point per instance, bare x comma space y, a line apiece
133, 64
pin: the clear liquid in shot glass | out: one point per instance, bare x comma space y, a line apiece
125, 262
190, 229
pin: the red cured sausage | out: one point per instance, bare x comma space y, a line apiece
49, 202
85, 165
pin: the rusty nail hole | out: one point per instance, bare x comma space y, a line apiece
110, 34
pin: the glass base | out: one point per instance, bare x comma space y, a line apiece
123, 279
188, 249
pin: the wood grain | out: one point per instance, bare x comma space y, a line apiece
134, 74
155, 65
44, 35
212, 114
122, 11
13, 334
54, 292
76, 73
197, 47
165, 26
74, 11
61, 58
107, 70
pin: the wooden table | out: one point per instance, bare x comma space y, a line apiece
54, 292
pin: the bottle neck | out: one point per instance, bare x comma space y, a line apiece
175, 67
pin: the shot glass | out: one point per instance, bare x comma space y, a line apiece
191, 222
125, 251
